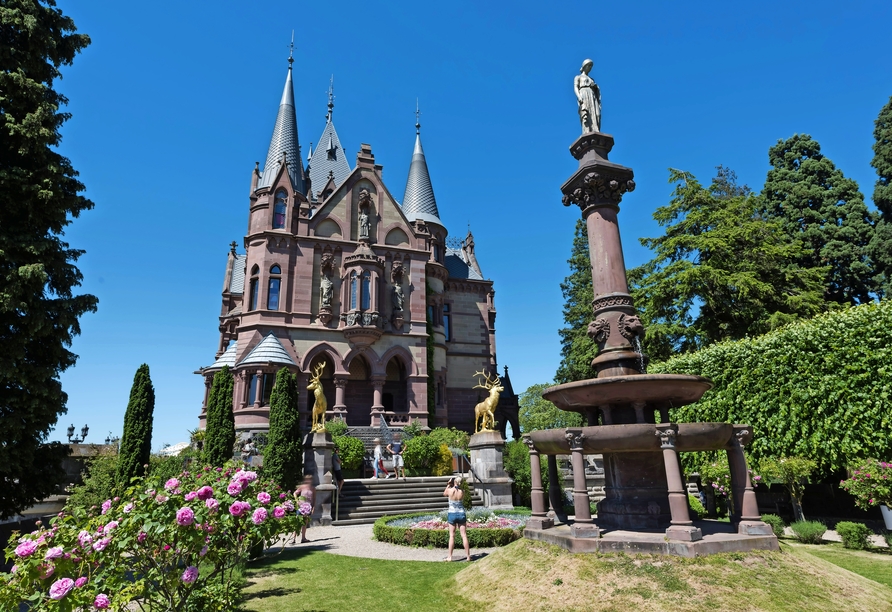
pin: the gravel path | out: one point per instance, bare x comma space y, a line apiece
356, 541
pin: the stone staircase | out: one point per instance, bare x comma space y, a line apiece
364, 501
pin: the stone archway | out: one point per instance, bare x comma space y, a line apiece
395, 396
358, 393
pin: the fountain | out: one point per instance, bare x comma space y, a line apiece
627, 411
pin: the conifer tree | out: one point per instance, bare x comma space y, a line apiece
577, 349
38, 197
136, 441
881, 244
283, 456
816, 203
219, 438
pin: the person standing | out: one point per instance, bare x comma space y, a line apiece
305, 492
456, 517
396, 449
379, 460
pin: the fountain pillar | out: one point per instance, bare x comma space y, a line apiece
583, 526
538, 520
681, 527
556, 490
746, 508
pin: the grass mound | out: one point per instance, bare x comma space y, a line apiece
534, 576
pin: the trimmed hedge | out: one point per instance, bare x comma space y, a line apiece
820, 389
776, 523
854, 535
439, 538
809, 532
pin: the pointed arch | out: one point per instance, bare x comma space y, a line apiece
368, 353
405, 357
330, 351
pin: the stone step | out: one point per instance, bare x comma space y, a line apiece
395, 500
357, 517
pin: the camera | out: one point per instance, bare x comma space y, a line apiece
451, 482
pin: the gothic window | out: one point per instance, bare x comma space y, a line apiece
268, 381
437, 252
354, 289
253, 288
279, 210
447, 322
366, 290
252, 388
275, 282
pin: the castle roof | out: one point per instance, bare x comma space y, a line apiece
237, 282
329, 157
284, 145
458, 266
419, 201
226, 359
270, 350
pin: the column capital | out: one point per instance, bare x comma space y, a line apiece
340, 382
667, 435
575, 437
528, 440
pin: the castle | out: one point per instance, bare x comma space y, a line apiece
339, 276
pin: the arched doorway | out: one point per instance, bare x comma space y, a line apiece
395, 397
359, 394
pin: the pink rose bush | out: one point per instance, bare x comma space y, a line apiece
870, 484
148, 545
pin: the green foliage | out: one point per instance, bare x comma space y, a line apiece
792, 472
776, 523
467, 500
721, 271
99, 483
820, 389
284, 452
38, 198
809, 532
442, 465
421, 452
881, 243
577, 349
336, 426
696, 507
412, 430
854, 535
870, 484
439, 538
350, 450
220, 431
431, 381
887, 536
535, 412
715, 473
517, 465
136, 442
162, 469
451, 437
817, 204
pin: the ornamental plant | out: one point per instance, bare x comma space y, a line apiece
173, 547
793, 473
870, 484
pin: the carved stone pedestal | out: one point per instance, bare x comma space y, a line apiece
754, 528
585, 530
325, 493
685, 533
489, 476
537, 522
317, 463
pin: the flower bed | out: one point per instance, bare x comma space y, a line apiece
486, 528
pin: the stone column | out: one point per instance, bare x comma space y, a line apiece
583, 525
538, 520
556, 490
339, 407
325, 492
377, 405
240, 389
682, 527
317, 463
487, 464
747, 509
303, 411
258, 397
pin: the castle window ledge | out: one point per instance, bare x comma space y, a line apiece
362, 328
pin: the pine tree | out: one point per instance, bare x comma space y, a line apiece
283, 456
136, 441
577, 349
219, 438
38, 198
815, 202
881, 244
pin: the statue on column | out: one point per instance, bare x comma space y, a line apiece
326, 287
365, 224
588, 95
396, 277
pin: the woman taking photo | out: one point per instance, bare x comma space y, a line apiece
456, 517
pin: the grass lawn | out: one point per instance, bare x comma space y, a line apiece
874, 565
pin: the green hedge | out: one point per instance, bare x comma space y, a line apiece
820, 389
439, 538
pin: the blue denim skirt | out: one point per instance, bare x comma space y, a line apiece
456, 518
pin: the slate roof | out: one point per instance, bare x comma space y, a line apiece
284, 140
237, 282
328, 157
418, 200
270, 350
458, 267
227, 358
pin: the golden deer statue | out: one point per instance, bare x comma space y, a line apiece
320, 405
486, 409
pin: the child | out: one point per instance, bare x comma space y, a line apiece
379, 459
308, 492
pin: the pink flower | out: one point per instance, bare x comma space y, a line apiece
99, 545
289, 507
185, 517
282, 496
234, 488
110, 527
54, 553
85, 539
190, 575
14, 569
205, 492
150, 492
61, 588
212, 504
106, 506
191, 495
161, 499
203, 551
239, 508
245, 477
101, 602
128, 508
263, 497
259, 516
80, 582
26, 548
279, 512
305, 508
173, 483
46, 570
141, 537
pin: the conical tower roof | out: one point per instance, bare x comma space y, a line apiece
270, 350
329, 157
284, 144
419, 201
227, 358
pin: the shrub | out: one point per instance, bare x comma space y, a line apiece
148, 546
336, 427
870, 484
421, 452
467, 499
443, 464
284, 453
219, 435
854, 535
517, 465
776, 523
696, 507
350, 450
136, 440
887, 535
451, 437
412, 430
793, 473
809, 532
439, 538
100, 481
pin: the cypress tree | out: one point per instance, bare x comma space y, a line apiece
881, 244
577, 349
219, 437
136, 441
283, 456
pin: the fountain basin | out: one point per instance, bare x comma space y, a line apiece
651, 389
636, 437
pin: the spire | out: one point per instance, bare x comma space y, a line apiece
284, 146
329, 158
330, 100
418, 200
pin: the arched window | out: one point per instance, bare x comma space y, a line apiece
253, 289
279, 209
366, 290
275, 282
354, 289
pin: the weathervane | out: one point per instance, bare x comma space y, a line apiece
417, 118
291, 51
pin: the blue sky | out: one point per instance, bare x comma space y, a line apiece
174, 102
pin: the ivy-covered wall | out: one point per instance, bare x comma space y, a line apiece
820, 389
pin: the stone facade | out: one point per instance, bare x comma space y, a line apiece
343, 274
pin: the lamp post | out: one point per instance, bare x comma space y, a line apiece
72, 439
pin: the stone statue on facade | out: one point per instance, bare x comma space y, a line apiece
396, 277
365, 224
326, 287
588, 96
